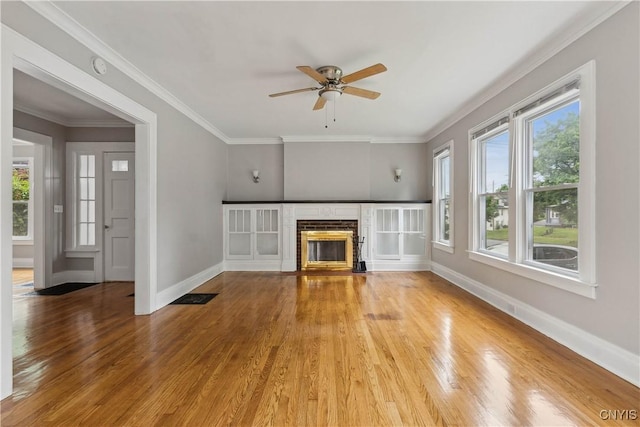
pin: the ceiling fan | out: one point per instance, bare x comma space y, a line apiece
332, 83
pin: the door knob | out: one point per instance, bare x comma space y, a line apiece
106, 227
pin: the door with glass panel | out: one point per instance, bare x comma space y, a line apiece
119, 216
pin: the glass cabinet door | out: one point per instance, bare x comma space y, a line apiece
239, 229
413, 231
267, 232
388, 233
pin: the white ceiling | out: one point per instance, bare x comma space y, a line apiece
34, 97
222, 59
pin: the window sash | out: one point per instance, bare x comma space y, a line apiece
26, 163
443, 197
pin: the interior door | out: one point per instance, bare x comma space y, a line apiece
119, 223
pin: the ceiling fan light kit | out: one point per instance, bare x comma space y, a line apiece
333, 83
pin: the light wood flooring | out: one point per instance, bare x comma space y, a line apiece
289, 349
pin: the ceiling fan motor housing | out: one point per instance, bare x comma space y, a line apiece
331, 72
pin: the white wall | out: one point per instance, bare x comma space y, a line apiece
614, 315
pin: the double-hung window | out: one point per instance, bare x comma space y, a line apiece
532, 186
22, 192
442, 196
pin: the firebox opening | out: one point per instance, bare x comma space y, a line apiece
327, 250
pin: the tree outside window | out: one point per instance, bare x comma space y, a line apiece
21, 183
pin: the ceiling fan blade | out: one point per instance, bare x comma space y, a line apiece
360, 92
312, 73
273, 95
320, 103
365, 72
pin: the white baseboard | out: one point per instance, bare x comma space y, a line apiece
617, 360
383, 265
73, 276
23, 263
241, 265
179, 289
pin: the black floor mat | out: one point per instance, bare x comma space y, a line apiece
62, 289
194, 299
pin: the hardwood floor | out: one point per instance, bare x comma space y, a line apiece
289, 349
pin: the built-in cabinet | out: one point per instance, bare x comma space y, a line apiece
252, 234
263, 236
400, 237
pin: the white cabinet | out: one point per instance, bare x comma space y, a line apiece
251, 234
401, 237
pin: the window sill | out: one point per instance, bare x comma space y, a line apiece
81, 253
443, 247
569, 284
22, 242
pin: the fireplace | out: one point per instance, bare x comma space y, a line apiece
309, 225
326, 250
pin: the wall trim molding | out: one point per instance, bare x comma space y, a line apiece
611, 357
252, 265
74, 276
115, 123
23, 263
174, 292
383, 265
533, 61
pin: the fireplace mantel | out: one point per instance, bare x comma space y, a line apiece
278, 202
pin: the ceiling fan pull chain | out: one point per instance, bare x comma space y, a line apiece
325, 118
335, 101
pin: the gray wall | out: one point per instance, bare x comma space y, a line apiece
268, 159
191, 162
58, 134
613, 315
327, 171
412, 159
61, 135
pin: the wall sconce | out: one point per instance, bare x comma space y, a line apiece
397, 175
256, 176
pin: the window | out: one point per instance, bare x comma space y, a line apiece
442, 195
22, 191
86, 197
533, 187
493, 189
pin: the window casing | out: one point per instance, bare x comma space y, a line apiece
443, 197
550, 191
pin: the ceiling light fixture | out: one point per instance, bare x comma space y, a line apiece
331, 93
256, 176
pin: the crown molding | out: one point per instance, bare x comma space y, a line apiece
543, 54
255, 141
66, 23
326, 138
398, 140
63, 121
